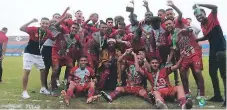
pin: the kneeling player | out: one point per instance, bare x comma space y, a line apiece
134, 79
81, 80
159, 78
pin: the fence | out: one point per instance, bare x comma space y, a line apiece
17, 44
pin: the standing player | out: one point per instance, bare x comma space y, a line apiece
217, 58
117, 20
94, 45
3, 43
79, 17
187, 45
146, 28
108, 66
32, 55
61, 51
162, 15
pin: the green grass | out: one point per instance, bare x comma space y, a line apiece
11, 90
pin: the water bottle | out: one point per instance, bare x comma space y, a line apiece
197, 9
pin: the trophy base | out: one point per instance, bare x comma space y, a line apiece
129, 9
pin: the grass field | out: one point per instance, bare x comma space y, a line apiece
11, 90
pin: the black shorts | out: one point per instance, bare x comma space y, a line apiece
47, 56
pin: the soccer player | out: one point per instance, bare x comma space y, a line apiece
146, 29
108, 66
32, 53
187, 46
212, 32
109, 22
160, 46
79, 17
62, 49
171, 15
3, 44
81, 79
161, 87
134, 79
117, 20
196, 30
180, 22
56, 16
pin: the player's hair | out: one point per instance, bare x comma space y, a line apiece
202, 10
95, 14
77, 24
102, 22
162, 10
83, 56
4, 29
154, 58
169, 19
121, 24
149, 12
168, 9
119, 17
44, 18
78, 11
56, 14
189, 18
107, 19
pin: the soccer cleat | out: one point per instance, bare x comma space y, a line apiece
160, 104
43, 90
151, 97
25, 95
106, 96
188, 104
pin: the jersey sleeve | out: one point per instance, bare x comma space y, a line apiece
65, 29
30, 30
169, 40
180, 23
213, 18
127, 37
70, 78
50, 35
92, 72
5, 39
90, 28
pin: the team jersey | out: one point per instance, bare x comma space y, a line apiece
81, 76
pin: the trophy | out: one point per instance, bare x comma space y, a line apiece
130, 7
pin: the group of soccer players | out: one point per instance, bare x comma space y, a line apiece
110, 55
